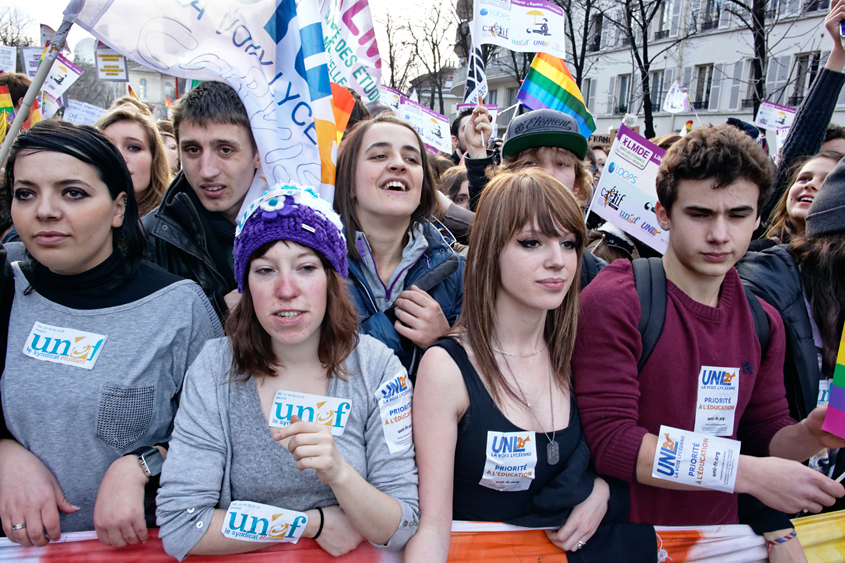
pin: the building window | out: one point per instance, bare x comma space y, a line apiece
816, 5
595, 34
142, 89
703, 83
168, 90
806, 69
663, 21
492, 96
709, 14
512, 92
624, 81
656, 87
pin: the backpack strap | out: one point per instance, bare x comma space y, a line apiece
650, 280
761, 321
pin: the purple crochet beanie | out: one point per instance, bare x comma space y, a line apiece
289, 213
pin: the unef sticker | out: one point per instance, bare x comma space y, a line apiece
251, 521
718, 394
394, 403
695, 459
328, 411
64, 345
511, 459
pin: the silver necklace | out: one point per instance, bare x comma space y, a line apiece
537, 353
552, 448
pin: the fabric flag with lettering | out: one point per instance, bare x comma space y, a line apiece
350, 39
476, 82
270, 52
6, 105
549, 84
834, 421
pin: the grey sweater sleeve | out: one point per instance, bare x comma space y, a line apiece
193, 473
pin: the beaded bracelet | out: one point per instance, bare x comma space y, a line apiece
784, 539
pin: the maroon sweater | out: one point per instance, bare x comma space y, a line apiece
618, 406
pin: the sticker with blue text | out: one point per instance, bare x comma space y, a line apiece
328, 411
511, 459
64, 345
251, 521
394, 403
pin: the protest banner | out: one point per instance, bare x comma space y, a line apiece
390, 97
271, 53
676, 99
520, 25
493, 109
432, 127
475, 87
62, 75
626, 193
773, 116
81, 113
350, 39
603, 140
8, 63
111, 65
30, 58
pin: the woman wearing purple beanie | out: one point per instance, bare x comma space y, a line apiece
295, 425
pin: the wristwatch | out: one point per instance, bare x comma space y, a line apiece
150, 459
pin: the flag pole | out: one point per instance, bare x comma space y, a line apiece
70, 15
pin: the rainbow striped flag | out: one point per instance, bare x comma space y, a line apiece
34, 115
834, 421
550, 85
131, 91
168, 105
6, 105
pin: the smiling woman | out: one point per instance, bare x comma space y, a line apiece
407, 280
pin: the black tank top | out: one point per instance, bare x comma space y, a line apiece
472, 501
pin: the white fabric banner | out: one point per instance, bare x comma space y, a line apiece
350, 38
527, 26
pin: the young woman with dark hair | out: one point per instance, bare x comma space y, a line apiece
99, 341
407, 282
293, 341
503, 376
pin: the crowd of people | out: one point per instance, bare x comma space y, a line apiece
547, 353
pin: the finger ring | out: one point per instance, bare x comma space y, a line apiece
581, 544
19, 526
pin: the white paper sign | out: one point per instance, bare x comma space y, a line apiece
8, 60
111, 65
696, 459
251, 521
394, 403
391, 97
64, 345
774, 116
30, 57
625, 195
432, 126
328, 411
81, 113
511, 459
676, 99
62, 74
718, 394
520, 25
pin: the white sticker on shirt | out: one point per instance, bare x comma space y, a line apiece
394, 403
824, 392
64, 345
696, 459
718, 394
251, 521
328, 411
511, 459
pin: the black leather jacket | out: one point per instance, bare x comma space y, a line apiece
179, 237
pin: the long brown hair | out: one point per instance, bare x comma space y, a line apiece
509, 202
347, 165
821, 260
159, 169
781, 225
252, 351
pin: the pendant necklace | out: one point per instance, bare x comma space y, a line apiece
552, 448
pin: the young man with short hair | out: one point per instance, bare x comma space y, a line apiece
711, 186
457, 129
193, 230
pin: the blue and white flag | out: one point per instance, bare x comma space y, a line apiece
270, 51
476, 83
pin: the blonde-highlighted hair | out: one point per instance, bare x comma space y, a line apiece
583, 186
509, 202
159, 169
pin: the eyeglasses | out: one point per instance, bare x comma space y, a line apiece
592, 168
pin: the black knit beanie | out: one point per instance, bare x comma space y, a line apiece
827, 213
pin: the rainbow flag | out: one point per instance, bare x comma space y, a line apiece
169, 105
34, 115
550, 85
834, 421
6, 105
131, 91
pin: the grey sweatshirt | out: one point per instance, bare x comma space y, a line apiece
197, 476
82, 388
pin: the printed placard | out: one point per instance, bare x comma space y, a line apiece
111, 65
696, 459
252, 521
511, 459
328, 411
626, 194
30, 59
774, 116
391, 97
81, 113
7, 58
394, 403
62, 75
524, 26
431, 126
718, 393
64, 345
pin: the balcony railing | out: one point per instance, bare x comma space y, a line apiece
816, 5
795, 101
620, 110
625, 42
708, 25
700, 104
748, 103
595, 46
658, 35
769, 15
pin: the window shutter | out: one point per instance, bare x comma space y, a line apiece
695, 6
605, 33
617, 35
636, 93
591, 103
793, 7
675, 26
668, 78
736, 86
725, 15
782, 79
687, 79
716, 87
611, 95
771, 75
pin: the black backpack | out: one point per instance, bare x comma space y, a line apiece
650, 279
